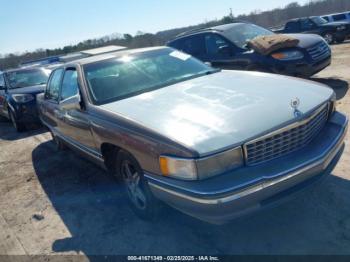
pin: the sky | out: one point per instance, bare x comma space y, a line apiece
26, 25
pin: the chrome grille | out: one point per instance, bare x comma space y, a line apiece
319, 51
285, 140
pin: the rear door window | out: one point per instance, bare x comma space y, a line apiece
292, 26
53, 87
339, 17
194, 45
306, 24
214, 43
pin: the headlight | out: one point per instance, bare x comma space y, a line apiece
23, 98
288, 55
193, 169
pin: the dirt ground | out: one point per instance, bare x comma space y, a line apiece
58, 203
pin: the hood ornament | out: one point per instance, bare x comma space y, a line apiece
295, 103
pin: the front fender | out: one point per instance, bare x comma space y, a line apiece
10, 104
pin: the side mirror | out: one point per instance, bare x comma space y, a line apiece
225, 49
71, 103
208, 64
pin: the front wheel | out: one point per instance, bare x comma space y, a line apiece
20, 127
140, 197
329, 38
340, 39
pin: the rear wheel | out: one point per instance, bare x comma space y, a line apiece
20, 127
3, 119
140, 197
340, 39
58, 142
329, 38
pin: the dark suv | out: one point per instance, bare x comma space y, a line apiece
226, 47
330, 31
18, 90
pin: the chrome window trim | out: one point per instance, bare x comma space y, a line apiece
281, 130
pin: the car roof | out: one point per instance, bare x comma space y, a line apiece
116, 54
342, 13
218, 29
23, 69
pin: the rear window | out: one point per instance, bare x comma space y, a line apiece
339, 17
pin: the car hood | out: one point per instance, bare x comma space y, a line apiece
28, 90
307, 40
219, 111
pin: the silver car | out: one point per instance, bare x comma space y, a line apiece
213, 144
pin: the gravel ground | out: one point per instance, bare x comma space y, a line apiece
58, 203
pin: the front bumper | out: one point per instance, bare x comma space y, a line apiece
303, 69
222, 198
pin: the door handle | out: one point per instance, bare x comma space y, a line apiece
58, 114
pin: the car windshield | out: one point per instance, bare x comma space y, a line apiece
27, 77
319, 20
241, 34
134, 74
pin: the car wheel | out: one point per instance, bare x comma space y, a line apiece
58, 143
140, 197
20, 127
329, 38
3, 119
340, 39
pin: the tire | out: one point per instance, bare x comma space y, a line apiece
340, 39
140, 197
20, 127
3, 119
58, 143
329, 38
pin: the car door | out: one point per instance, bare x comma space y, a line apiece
75, 125
49, 106
2, 96
221, 53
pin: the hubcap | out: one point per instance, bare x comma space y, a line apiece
132, 181
328, 38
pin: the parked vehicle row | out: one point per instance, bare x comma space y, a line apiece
226, 47
214, 144
330, 31
338, 17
